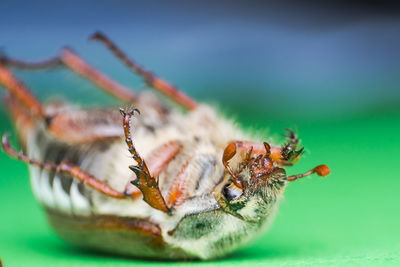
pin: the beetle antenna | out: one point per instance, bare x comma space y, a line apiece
320, 170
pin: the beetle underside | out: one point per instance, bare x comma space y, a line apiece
162, 184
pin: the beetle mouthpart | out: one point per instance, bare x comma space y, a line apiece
320, 170
232, 192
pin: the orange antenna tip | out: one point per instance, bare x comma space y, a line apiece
322, 170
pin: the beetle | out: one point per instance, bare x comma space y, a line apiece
161, 183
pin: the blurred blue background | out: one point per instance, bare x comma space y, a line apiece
303, 59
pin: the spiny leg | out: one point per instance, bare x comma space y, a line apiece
144, 181
177, 193
67, 168
18, 91
78, 65
157, 160
74, 126
160, 157
23, 121
151, 79
73, 61
85, 126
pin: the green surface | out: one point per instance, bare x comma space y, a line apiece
350, 218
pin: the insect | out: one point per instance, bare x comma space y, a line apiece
166, 183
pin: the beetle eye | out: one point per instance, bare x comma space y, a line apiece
232, 192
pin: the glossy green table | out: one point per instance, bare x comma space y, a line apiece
351, 218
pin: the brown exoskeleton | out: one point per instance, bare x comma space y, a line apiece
162, 184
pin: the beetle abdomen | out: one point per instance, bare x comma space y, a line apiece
117, 235
57, 190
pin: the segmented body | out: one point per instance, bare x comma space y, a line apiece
202, 135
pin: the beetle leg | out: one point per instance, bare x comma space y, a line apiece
144, 181
22, 120
83, 126
158, 159
178, 191
67, 168
20, 92
74, 126
73, 61
151, 79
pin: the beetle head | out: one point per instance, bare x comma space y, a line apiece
255, 181
261, 183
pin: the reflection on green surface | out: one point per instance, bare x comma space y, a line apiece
350, 218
